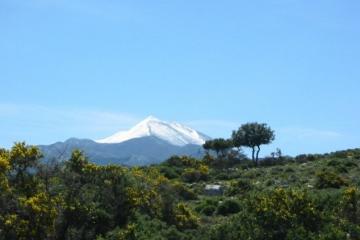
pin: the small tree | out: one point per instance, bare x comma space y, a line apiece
208, 146
219, 145
77, 161
277, 154
24, 160
253, 135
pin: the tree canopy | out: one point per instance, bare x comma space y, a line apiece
253, 135
219, 145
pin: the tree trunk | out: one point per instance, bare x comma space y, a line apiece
253, 154
222, 153
257, 155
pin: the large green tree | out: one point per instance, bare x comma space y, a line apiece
253, 135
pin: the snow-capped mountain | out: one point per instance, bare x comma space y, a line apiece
150, 141
173, 133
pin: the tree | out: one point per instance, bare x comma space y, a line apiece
208, 145
219, 145
276, 154
24, 160
4, 169
77, 161
253, 135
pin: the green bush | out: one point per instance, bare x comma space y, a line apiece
238, 187
184, 217
289, 169
169, 172
303, 158
184, 192
350, 205
208, 210
182, 161
143, 227
270, 161
328, 179
195, 174
228, 207
276, 215
342, 165
207, 206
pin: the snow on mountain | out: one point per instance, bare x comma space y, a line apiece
173, 133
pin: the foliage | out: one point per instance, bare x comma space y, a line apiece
328, 179
184, 217
144, 228
253, 135
4, 168
184, 192
238, 187
195, 174
309, 197
182, 161
219, 145
207, 206
351, 204
272, 215
23, 159
228, 207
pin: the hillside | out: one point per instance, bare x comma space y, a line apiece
228, 197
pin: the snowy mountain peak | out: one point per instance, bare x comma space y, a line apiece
151, 118
174, 133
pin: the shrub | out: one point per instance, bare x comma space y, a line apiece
276, 215
270, 161
208, 210
222, 176
289, 170
184, 192
254, 173
182, 161
207, 206
227, 174
184, 217
328, 179
228, 207
270, 182
238, 187
342, 165
246, 164
195, 174
169, 172
351, 204
303, 158
142, 227
276, 170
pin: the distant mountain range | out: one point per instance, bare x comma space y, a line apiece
150, 141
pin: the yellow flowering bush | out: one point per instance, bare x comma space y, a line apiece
184, 217
144, 192
41, 213
351, 204
4, 168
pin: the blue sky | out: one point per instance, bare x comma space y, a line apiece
90, 68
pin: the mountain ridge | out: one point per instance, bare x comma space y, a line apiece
148, 145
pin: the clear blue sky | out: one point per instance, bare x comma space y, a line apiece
87, 68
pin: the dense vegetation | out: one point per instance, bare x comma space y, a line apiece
279, 197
